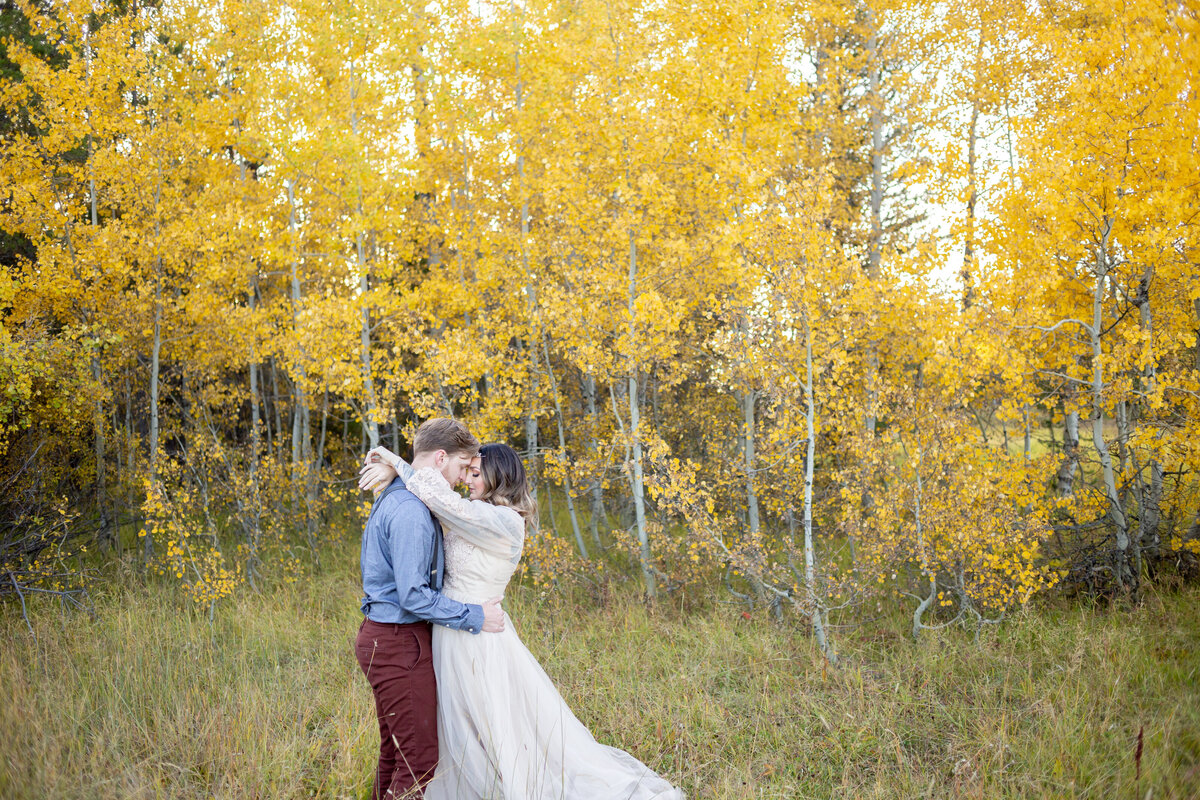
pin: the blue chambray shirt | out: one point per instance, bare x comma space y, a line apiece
402, 566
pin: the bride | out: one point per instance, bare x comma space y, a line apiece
503, 729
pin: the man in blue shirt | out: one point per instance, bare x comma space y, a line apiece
402, 565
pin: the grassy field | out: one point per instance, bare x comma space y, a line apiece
150, 700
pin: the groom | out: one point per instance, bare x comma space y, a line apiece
402, 563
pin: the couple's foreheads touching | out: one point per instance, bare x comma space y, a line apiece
493, 472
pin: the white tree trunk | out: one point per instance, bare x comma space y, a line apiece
748, 461
155, 354
1196, 306
255, 526
1121, 571
1151, 496
303, 472
815, 605
597, 486
523, 217
1069, 467
99, 421
636, 480
753, 525
105, 534
875, 99
875, 241
370, 404
968, 278
276, 446
562, 449
255, 413
928, 601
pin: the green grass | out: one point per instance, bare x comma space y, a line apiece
150, 700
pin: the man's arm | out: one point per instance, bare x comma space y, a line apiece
411, 537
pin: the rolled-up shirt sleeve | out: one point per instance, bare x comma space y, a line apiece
412, 542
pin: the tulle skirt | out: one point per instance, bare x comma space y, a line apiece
504, 732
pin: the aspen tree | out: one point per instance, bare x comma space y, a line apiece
687, 235
1099, 206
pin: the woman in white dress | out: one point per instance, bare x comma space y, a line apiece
504, 732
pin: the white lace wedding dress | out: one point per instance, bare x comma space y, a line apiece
503, 729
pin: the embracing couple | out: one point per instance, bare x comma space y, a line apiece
465, 711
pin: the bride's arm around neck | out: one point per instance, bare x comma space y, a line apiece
496, 529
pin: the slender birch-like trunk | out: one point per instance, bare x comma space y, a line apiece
255, 526
1122, 436
1151, 496
531, 420
633, 460
155, 353
130, 450
531, 430
421, 136
968, 278
106, 534
1026, 448
297, 402
320, 459
255, 412
254, 523
636, 481
596, 490
816, 612
302, 467
562, 449
275, 438
874, 243
155, 356
300, 445
1069, 467
370, 403
748, 461
928, 601
100, 447
1121, 569
1196, 359
753, 526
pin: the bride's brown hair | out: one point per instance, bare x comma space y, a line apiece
504, 481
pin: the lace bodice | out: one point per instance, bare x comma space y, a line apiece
483, 541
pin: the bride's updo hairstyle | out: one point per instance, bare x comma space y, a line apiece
504, 481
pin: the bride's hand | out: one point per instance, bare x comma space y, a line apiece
378, 454
376, 475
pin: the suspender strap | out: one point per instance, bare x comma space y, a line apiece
439, 556
393, 487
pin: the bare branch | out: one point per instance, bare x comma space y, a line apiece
1057, 325
24, 613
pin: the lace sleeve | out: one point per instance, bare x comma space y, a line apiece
496, 529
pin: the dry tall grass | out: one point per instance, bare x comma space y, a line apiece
149, 700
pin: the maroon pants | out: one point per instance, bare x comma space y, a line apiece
398, 662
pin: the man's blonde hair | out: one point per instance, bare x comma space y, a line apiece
443, 433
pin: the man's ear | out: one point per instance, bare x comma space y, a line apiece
439, 458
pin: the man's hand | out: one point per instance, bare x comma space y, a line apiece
378, 470
493, 616
375, 476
